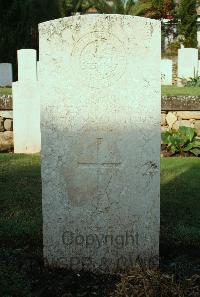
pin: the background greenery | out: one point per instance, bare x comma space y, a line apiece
19, 19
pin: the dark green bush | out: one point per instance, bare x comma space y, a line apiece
181, 141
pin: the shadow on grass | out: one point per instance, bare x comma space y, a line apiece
180, 214
22, 271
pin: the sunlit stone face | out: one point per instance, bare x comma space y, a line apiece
100, 59
100, 93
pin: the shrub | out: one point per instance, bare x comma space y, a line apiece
192, 81
181, 141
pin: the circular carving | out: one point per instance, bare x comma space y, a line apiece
100, 59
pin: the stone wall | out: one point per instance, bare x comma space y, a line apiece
176, 111
180, 111
6, 123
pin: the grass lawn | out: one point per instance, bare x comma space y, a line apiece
176, 91
166, 90
5, 91
21, 269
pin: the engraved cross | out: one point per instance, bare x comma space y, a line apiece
99, 165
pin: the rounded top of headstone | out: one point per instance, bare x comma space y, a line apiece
27, 50
6, 64
90, 17
188, 49
96, 47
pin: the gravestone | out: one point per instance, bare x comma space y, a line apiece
187, 63
166, 72
6, 75
100, 123
26, 105
27, 69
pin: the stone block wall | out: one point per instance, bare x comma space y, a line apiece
6, 123
180, 111
176, 111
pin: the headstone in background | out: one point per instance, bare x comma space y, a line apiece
26, 105
100, 120
27, 65
6, 75
198, 38
166, 72
187, 63
199, 68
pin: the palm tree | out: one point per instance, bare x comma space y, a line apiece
154, 8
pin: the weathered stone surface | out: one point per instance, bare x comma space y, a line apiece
171, 119
187, 115
8, 125
6, 102
5, 74
1, 124
187, 103
100, 141
197, 127
183, 123
7, 114
6, 140
163, 119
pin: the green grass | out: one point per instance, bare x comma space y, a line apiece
5, 91
180, 204
176, 91
166, 90
21, 269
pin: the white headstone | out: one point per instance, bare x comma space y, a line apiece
26, 106
100, 121
198, 38
6, 75
166, 72
27, 69
199, 68
187, 63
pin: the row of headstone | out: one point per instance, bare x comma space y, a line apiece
166, 72
188, 66
26, 104
99, 88
6, 75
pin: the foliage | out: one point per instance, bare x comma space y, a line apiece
183, 140
19, 24
173, 47
117, 7
192, 81
187, 26
154, 8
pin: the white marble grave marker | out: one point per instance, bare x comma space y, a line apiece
100, 120
187, 63
166, 72
26, 105
6, 75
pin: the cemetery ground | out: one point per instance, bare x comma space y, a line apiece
176, 91
22, 272
166, 91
